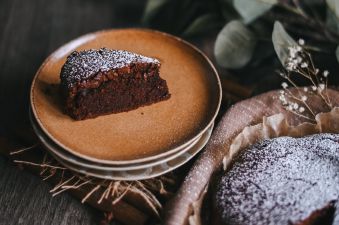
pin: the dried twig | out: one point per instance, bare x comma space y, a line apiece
19, 151
115, 191
39, 165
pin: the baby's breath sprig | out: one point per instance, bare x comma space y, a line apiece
300, 62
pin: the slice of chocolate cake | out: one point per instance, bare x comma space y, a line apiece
104, 81
281, 181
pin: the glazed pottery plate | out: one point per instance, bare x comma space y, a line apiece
140, 173
146, 133
80, 162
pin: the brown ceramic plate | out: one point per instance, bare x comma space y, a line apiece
142, 173
130, 172
64, 155
143, 133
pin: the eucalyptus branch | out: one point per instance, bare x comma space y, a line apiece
314, 23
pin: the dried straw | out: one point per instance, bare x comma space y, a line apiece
96, 189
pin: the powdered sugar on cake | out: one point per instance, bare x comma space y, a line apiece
84, 64
280, 181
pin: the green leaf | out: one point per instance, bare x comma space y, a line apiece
333, 5
281, 41
252, 9
332, 15
172, 16
152, 8
337, 53
227, 10
202, 24
234, 45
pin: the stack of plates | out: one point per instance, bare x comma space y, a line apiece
142, 143
129, 169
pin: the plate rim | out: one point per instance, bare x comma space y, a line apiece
86, 37
138, 177
108, 167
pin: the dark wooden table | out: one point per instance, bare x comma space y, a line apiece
29, 31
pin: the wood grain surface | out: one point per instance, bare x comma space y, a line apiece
29, 32
24, 199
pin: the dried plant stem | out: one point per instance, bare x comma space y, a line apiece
61, 178
23, 149
306, 76
303, 116
150, 202
291, 95
326, 100
300, 62
90, 193
162, 188
120, 195
113, 190
51, 174
313, 71
328, 97
61, 184
82, 184
109, 189
149, 194
39, 165
65, 188
44, 162
105, 194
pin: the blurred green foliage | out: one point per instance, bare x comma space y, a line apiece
245, 26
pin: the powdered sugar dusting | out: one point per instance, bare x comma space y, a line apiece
280, 181
84, 64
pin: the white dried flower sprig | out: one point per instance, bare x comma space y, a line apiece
300, 62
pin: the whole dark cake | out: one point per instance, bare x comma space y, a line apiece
282, 181
98, 82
